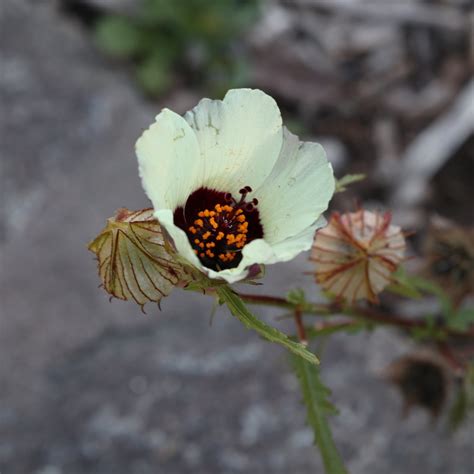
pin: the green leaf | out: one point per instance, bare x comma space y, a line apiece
240, 311
458, 411
462, 319
469, 384
402, 285
430, 332
296, 297
315, 395
427, 286
464, 401
118, 36
341, 184
154, 74
412, 286
356, 326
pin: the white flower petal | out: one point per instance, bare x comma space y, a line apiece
168, 158
297, 191
179, 237
239, 138
257, 251
289, 248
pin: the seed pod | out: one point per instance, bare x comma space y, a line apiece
356, 254
133, 260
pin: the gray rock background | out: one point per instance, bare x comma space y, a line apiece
88, 386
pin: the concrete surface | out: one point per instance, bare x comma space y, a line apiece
88, 386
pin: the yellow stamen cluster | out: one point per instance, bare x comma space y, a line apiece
222, 230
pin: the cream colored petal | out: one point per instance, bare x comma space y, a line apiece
179, 237
257, 251
239, 138
292, 246
168, 158
297, 191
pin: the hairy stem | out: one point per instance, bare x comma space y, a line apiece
366, 313
301, 331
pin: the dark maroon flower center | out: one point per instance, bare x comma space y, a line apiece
218, 226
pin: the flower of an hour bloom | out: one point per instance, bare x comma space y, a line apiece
356, 254
231, 186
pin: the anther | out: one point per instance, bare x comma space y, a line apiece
219, 233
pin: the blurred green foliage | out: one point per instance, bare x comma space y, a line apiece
193, 42
463, 405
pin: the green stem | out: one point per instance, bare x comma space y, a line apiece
300, 329
367, 314
239, 310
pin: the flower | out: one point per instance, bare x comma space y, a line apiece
231, 186
356, 254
